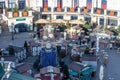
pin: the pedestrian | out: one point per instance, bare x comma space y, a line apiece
38, 34
105, 59
34, 35
110, 46
92, 44
79, 40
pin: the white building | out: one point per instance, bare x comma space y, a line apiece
12, 12
66, 10
96, 14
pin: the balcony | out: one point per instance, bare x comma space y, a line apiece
45, 9
98, 11
11, 14
58, 9
85, 10
112, 13
72, 9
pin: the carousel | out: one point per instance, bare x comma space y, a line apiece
73, 32
48, 32
48, 55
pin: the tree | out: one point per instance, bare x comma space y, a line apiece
118, 30
87, 25
113, 30
16, 9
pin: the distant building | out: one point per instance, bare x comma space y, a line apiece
24, 69
49, 73
8, 71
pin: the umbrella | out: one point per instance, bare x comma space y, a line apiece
59, 21
76, 22
42, 21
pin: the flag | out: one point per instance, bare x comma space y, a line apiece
75, 3
59, 3
45, 3
104, 4
89, 4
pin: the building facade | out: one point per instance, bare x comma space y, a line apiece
17, 15
104, 12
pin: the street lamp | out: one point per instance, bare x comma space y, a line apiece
12, 31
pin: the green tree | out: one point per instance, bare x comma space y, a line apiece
118, 29
68, 26
113, 30
87, 25
26, 9
16, 9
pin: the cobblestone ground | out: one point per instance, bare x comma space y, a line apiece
19, 39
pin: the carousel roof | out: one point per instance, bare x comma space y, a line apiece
49, 69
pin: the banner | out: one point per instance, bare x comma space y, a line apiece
104, 4
89, 4
59, 3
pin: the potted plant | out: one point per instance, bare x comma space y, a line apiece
118, 30
25, 12
15, 13
85, 10
72, 9
8, 12
98, 11
58, 9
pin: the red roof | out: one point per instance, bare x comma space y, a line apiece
9, 58
22, 68
48, 77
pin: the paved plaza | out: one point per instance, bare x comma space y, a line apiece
111, 71
19, 39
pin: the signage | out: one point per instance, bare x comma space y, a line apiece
21, 19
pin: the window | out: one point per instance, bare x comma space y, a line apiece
87, 18
59, 17
21, 4
101, 21
11, 3
74, 17
112, 22
2, 4
44, 16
